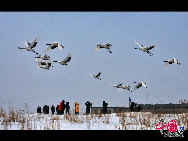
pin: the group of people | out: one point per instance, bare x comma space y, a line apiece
62, 107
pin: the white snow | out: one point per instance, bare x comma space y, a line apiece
115, 121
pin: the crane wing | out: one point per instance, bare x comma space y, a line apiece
27, 43
98, 74
119, 85
60, 47
166, 64
68, 58
150, 47
107, 45
138, 44
97, 48
137, 86
33, 44
119, 89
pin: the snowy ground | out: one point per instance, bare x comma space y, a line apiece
121, 121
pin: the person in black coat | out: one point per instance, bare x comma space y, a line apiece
62, 107
39, 110
133, 106
88, 106
57, 109
52, 109
105, 107
67, 108
45, 109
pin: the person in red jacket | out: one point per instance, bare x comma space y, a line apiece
60, 108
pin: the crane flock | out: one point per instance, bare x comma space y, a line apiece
44, 61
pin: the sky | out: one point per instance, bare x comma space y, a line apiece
79, 32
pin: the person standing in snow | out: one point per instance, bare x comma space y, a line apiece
60, 108
52, 109
132, 106
88, 106
57, 109
67, 108
46, 109
76, 108
39, 110
105, 107
63, 106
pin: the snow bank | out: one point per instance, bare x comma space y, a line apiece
121, 121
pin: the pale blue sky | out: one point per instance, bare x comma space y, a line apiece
80, 32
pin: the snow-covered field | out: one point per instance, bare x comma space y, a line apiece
115, 121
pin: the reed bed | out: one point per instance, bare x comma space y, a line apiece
19, 120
